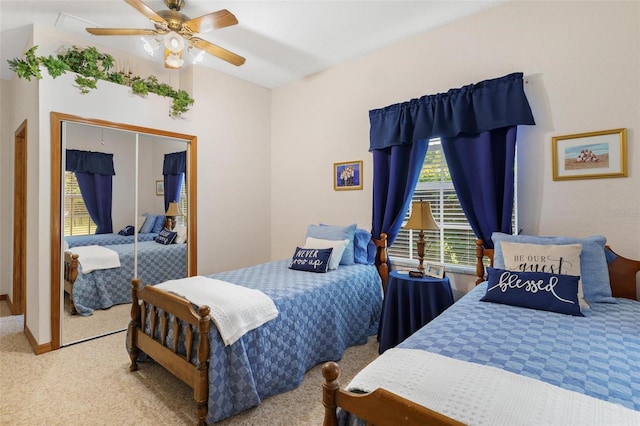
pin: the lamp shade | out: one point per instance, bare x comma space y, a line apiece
421, 217
173, 42
173, 210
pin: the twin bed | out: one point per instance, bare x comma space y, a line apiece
482, 362
103, 288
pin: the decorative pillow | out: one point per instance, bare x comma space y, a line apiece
330, 232
593, 262
337, 246
158, 224
312, 260
364, 249
534, 290
127, 230
166, 237
563, 259
147, 226
181, 232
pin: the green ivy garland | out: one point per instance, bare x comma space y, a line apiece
91, 65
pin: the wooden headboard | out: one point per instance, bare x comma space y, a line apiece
622, 272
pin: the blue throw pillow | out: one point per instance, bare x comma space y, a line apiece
593, 261
166, 237
336, 233
159, 224
361, 243
312, 260
127, 230
534, 290
147, 226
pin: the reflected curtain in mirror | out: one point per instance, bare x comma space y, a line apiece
94, 171
173, 170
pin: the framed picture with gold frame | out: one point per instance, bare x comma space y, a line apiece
159, 187
347, 175
591, 155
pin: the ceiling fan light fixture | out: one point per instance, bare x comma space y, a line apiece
173, 42
173, 59
147, 46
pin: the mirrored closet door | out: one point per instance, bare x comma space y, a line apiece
126, 209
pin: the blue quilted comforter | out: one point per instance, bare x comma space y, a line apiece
104, 288
320, 315
106, 239
597, 355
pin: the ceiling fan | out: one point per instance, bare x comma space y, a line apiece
178, 28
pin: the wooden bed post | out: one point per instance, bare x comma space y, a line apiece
201, 388
479, 264
134, 352
382, 259
330, 372
70, 275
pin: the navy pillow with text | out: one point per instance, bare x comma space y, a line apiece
311, 259
534, 290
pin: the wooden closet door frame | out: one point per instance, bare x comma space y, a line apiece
18, 302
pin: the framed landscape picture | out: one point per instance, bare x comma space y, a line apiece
347, 175
590, 155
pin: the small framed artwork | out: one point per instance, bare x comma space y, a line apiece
347, 175
159, 187
590, 155
435, 270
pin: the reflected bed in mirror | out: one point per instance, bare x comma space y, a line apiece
98, 302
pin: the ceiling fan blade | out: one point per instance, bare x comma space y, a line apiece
220, 19
141, 7
122, 31
217, 51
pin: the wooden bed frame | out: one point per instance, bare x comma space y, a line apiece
382, 407
174, 310
70, 275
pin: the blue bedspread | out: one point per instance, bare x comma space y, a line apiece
104, 288
320, 315
106, 239
597, 355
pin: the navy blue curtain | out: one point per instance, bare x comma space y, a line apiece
395, 174
482, 172
469, 110
94, 171
173, 169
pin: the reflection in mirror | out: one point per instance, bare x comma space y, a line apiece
113, 233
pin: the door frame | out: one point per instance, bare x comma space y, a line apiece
57, 120
18, 297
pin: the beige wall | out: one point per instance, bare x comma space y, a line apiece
265, 157
582, 65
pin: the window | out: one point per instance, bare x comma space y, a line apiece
182, 205
454, 243
76, 217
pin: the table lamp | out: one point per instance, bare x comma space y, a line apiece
171, 213
421, 219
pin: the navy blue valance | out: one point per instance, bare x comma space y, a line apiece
97, 163
175, 163
472, 109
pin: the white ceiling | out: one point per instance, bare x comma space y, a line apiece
282, 41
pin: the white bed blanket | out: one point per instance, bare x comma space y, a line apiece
482, 395
93, 258
234, 309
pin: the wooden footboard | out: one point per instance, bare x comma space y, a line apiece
70, 275
379, 407
171, 311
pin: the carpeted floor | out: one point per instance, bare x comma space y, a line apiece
90, 383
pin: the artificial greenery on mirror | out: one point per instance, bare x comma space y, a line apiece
91, 65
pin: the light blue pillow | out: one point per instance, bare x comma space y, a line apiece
361, 242
593, 261
159, 224
336, 233
147, 226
